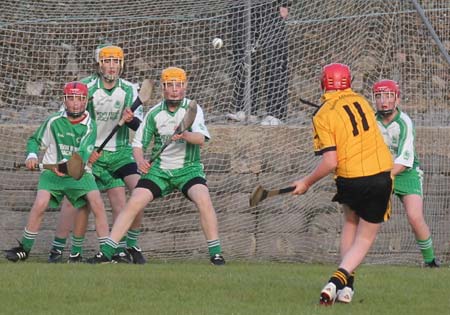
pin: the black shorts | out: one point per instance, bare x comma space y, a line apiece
157, 192
368, 196
124, 171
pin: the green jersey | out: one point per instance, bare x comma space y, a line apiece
159, 124
60, 138
106, 108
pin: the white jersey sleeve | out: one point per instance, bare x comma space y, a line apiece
405, 153
199, 124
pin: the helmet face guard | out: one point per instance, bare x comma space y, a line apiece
336, 76
75, 92
112, 55
385, 93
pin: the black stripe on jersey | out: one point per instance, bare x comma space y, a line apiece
325, 150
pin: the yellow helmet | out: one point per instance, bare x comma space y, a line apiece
109, 52
104, 52
173, 74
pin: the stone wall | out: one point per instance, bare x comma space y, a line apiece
284, 228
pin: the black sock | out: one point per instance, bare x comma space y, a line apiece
340, 278
350, 280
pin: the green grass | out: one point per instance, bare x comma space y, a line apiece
199, 288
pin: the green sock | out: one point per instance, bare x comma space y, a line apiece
132, 237
122, 245
77, 244
28, 239
426, 247
59, 243
102, 240
109, 248
214, 247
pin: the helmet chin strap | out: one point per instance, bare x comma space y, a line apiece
173, 102
385, 113
74, 115
109, 79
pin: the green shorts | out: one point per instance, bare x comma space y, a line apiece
60, 186
109, 162
169, 180
409, 182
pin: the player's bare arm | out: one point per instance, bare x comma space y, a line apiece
142, 163
31, 163
327, 165
94, 156
191, 137
397, 169
127, 115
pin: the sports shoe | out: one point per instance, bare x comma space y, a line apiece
271, 121
100, 258
136, 255
55, 256
328, 294
122, 258
16, 253
75, 258
345, 295
217, 260
435, 263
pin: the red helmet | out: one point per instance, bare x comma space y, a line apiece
336, 76
386, 86
75, 88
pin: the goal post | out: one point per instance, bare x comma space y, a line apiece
266, 65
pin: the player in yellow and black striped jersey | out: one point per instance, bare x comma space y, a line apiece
346, 123
347, 136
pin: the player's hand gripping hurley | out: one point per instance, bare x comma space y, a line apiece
259, 194
144, 96
184, 125
73, 167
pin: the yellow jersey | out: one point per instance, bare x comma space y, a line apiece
346, 123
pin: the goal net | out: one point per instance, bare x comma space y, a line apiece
249, 90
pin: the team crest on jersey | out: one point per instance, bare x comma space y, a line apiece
394, 141
117, 105
406, 155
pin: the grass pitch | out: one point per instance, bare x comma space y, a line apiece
199, 288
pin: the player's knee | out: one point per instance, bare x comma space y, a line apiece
40, 205
96, 205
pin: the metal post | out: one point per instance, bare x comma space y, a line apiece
248, 60
431, 30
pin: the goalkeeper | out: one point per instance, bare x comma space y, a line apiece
398, 132
178, 167
62, 134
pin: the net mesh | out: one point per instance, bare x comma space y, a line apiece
264, 68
